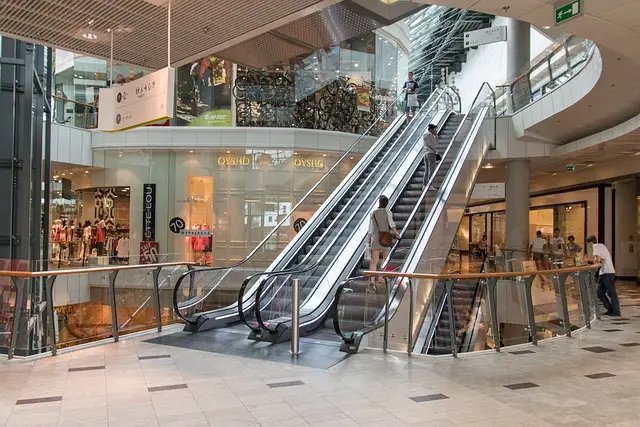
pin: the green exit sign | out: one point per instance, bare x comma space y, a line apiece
566, 10
571, 168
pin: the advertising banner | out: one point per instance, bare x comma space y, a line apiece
137, 103
149, 212
364, 99
204, 93
149, 252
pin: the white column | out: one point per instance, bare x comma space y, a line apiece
518, 51
625, 220
517, 201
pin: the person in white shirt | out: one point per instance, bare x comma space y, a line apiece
557, 248
430, 144
537, 247
606, 278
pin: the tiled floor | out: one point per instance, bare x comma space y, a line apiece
137, 383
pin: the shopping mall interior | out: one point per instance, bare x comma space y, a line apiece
320, 213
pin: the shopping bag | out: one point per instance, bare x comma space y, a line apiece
367, 253
412, 100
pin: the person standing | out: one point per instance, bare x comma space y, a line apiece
557, 248
381, 222
410, 89
606, 277
430, 144
100, 236
537, 247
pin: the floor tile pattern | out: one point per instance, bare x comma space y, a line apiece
199, 387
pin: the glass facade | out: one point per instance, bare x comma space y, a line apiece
233, 198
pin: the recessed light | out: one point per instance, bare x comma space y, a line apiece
191, 151
70, 173
546, 27
637, 153
89, 36
86, 171
63, 174
356, 65
488, 166
351, 158
324, 155
554, 174
228, 152
295, 153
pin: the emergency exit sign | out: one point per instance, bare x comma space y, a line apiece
566, 10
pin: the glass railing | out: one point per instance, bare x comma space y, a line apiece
312, 270
546, 73
214, 288
72, 113
504, 308
86, 305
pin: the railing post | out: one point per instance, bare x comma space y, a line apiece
295, 317
528, 283
452, 320
112, 301
156, 297
51, 312
192, 280
592, 286
561, 279
385, 339
581, 278
493, 312
411, 308
16, 316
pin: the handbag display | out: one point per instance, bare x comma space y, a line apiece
384, 237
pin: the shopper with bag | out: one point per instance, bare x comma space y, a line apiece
431, 155
381, 227
411, 103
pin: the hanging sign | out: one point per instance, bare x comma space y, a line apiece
485, 36
149, 212
364, 99
493, 190
138, 103
149, 252
176, 225
299, 224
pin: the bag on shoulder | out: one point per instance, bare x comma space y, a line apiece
384, 237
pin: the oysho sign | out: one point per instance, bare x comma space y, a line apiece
234, 161
307, 163
149, 212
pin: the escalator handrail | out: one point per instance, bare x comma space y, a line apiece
176, 306
269, 275
336, 302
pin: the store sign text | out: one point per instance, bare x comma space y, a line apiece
308, 163
149, 212
234, 161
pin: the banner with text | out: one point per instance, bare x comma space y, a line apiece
138, 103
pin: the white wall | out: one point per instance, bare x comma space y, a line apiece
488, 63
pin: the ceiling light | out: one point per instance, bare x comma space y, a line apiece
295, 153
86, 171
546, 27
351, 158
637, 153
191, 151
89, 36
488, 166
120, 154
228, 152
63, 174
324, 155
356, 65
589, 165
554, 174
70, 173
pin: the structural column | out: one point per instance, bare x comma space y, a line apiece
517, 200
518, 53
625, 220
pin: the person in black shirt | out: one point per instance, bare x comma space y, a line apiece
410, 89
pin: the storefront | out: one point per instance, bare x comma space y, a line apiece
574, 213
222, 203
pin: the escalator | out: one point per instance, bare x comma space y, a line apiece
336, 249
197, 292
427, 234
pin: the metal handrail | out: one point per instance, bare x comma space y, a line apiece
21, 279
269, 276
274, 230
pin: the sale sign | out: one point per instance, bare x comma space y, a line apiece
149, 252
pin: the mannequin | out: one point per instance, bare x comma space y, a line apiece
86, 241
70, 233
56, 231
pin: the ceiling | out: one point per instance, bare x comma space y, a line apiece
252, 32
615, 27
